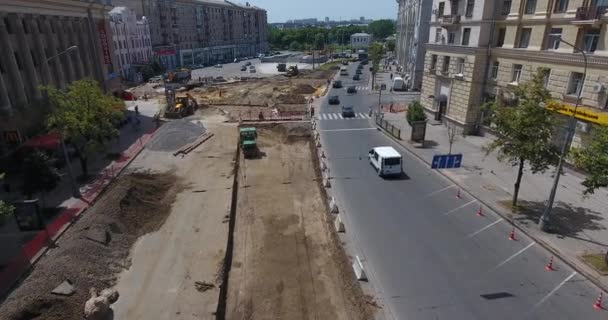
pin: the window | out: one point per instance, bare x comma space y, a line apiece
446, 64
451, 37
553, 38
524, 37
440, 9
576, 83
500, 40
506, 7
466, 34
438, 35
590, 40
469, 9
460, 65
454, 7
561, 6
530, 7
516, 75
433, 62
494, 70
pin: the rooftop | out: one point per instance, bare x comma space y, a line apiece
387, 152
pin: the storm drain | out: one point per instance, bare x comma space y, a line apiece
497, 295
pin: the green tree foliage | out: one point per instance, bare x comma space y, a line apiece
319, 42
39, 174
85, 117
381, 29
376, 51
283, 38
415, 112
5, 208
593, 159
390, 45
525, 131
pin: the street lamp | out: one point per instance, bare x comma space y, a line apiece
544, 222
75, 189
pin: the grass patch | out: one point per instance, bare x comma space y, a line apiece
508, 204
334, 65
597, 262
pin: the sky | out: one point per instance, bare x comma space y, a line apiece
282, 10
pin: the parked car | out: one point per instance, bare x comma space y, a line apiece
358, 71
351, 89
337, 84
252, 70
359, 67
348, 112
334, 100
344, 62
364, 62
356, 77
244, 68
219, 65
248, 63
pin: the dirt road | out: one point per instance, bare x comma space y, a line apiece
286, 264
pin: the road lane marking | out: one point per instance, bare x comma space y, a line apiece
462, 206
355, 129
440, 190
340, 116
555, 289
471, 235
513, 256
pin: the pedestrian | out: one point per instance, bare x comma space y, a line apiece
391, 76
136, 110
312, 112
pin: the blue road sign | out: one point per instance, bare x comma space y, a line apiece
446, 161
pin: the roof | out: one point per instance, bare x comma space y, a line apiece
247, 129
360, 34
387, 152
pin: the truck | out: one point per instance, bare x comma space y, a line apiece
248, 141
292, 71
398, 84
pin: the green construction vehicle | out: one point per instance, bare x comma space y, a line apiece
248, 136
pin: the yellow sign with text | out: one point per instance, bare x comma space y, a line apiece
582, 113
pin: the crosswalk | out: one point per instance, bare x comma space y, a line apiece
338, 116
361, 88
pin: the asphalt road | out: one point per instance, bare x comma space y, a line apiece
427, 254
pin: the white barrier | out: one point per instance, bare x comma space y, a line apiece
333, 206
358, 268
326, 182
323, 165
339, 225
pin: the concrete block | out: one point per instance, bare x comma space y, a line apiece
323, 165
333, 206
359, 270
339, 225
326, 182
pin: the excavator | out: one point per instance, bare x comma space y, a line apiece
179, 106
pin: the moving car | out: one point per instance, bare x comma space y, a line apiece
219, 65
344, 62
343, 71
398, 84
252, 69
356, 77
334, 100
351, 89
244, 68
248, 63
358, 71
386, 160
348, 112
359, 67
337, 84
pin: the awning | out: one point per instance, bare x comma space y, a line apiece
582, 112
47, 141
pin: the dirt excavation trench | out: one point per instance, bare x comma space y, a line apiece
286, 262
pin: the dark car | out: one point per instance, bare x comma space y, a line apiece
364, 62
356, 77
359, 67
351, 89
348, 112
337, 84
334, 100
358, 71
248, 63
244, 68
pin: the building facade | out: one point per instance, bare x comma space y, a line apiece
360, 40
32, 34
131, 40
412, 34
190, 32
506, 43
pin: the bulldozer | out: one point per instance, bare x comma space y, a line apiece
248, 141
179, 107
293, 71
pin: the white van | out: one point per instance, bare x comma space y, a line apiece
398, 84
386, 160
343, 71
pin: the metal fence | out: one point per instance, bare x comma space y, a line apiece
394, 131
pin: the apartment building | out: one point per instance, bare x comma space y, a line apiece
131, 40
413, 20
32, 34
186, 32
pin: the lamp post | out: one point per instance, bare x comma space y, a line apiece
74, 187
544, 221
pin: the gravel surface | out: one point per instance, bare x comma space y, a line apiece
175, 134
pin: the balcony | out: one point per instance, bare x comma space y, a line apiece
590, 15
450, 20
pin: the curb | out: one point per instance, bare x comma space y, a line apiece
542, 243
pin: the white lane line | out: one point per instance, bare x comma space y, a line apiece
484, 228
555, 289
513, 256
440, 190
332, 116
357, 129
323, 116
365, 116
462, 206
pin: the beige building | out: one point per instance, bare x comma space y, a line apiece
499, 56
31, 32
131, 40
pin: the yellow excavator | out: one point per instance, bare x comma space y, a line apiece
180, 106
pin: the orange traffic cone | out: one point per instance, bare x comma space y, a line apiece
549, 266
479, 212
598, 302
512, 235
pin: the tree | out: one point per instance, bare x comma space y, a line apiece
39, 174
415, 112
593, 159
525, 131
5, 208
452, 135
319, 42
376, 51
295, 46
381, 29
390, 45
85, 117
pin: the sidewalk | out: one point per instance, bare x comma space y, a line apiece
581, 226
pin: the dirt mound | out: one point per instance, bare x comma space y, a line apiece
134, 205
303, 89
175, 134
291, 99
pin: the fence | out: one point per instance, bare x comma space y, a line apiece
394, 131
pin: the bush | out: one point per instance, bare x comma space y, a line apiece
415, 112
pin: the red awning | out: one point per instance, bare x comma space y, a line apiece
47, 141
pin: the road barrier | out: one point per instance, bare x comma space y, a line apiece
512, 235
598, 302
391, 129
326, 182
358, 268
338, 224
549, 266
479, 212
333, 206
323, 165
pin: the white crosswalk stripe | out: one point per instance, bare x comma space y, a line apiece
338, 116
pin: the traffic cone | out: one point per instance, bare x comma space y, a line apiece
549, 266
598, 302
479, 212
512, 235
458, 194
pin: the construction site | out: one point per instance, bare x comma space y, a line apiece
221, 216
